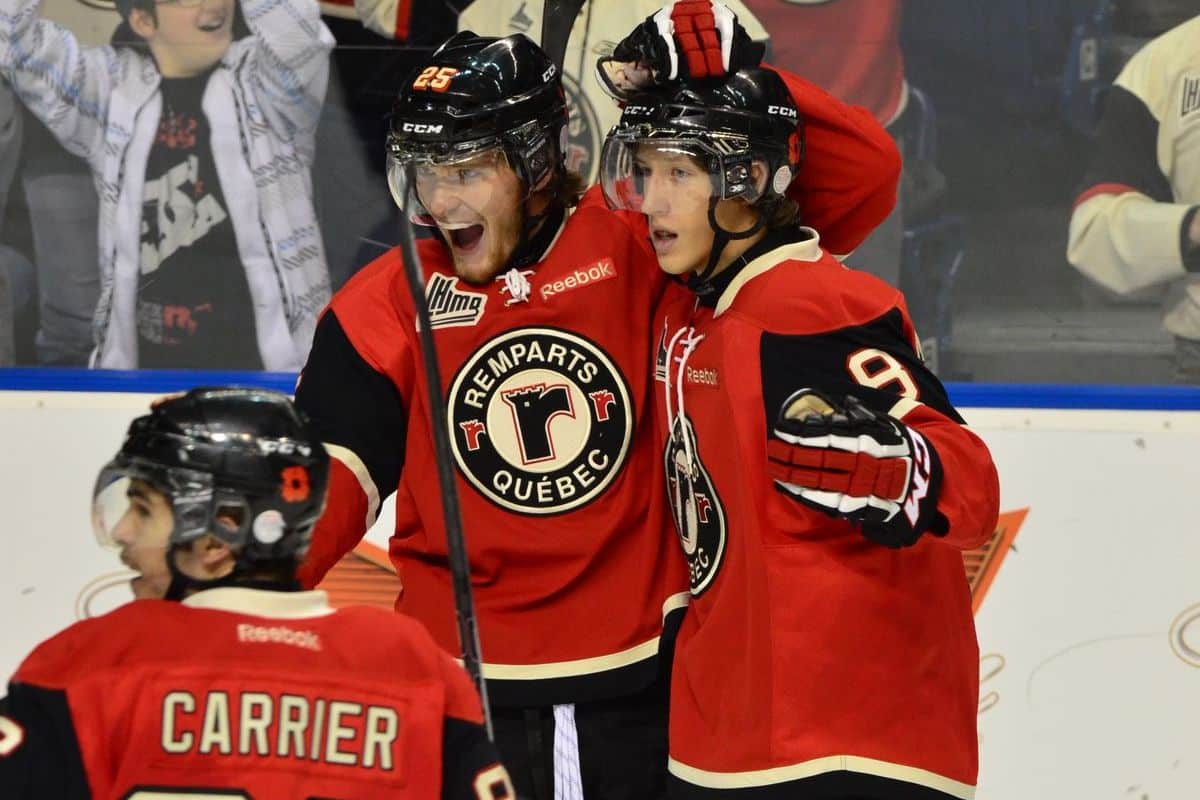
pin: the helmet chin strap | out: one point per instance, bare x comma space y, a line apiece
698, 282
182, 585
532, 243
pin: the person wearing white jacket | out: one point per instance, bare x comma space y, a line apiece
200, 145
1136, 221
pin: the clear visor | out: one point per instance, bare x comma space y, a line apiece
189, 492
650, 175
445, 190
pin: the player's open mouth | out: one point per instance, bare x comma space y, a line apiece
465, 238
663, 240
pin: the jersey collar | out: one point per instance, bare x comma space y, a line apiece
809, 249
262, 603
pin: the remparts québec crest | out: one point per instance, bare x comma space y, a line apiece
698, 511
541, 420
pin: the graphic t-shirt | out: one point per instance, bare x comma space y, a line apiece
193, 308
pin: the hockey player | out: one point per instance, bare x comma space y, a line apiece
822, 484
245, 687
541, 306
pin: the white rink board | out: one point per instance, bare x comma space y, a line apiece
1093, 618
1092, 699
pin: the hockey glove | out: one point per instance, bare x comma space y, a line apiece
686, 39
853, 462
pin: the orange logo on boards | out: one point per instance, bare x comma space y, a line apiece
435, 79
984, 562
295, 487
364, 576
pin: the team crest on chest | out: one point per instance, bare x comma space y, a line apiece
541, 420
695, 505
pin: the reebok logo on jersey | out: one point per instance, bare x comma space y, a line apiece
450, 306
583, 276
705, 376
278, 634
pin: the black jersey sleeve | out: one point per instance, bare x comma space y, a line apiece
875, 362
1124, 152
471, 768
360, 416
352, 404
39, 750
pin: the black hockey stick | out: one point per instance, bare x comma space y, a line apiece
460, 566
558, 17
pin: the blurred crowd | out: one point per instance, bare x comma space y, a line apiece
183, 184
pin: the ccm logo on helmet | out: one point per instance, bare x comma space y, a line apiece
284, 447
421, 127
783, 111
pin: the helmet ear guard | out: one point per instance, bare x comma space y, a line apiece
240, 465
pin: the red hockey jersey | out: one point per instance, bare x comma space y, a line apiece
810, 654
568, 534
244, 693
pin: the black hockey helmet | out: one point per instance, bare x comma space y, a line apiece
475, 94
245, 456
725, 125
728, 123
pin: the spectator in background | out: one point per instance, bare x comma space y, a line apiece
200, 140
851, 49
1135, 222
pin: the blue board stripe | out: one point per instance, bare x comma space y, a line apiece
147, 381
967, 395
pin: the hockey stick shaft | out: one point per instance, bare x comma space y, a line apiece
460, 565
558, 17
